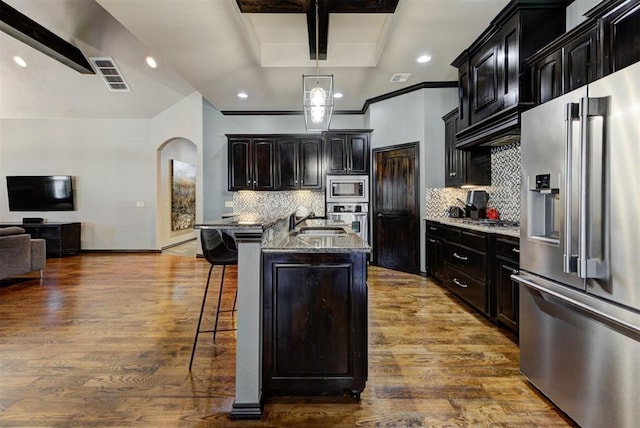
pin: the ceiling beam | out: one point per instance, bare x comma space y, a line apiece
325, 7
35, 35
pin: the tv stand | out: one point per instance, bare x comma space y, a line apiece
63, 239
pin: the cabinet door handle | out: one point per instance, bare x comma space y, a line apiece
453, 174
515, 272
432, 240
460, 284
459, 257
433, 228
515, 250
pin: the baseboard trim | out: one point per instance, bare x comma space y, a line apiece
246, 411
121, 251
177, 243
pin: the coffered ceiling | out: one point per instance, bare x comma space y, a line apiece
213, 47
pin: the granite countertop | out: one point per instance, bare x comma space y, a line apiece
240, 221
458, 222
293, 242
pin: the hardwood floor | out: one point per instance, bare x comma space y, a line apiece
105, 340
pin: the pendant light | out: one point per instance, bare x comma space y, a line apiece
317, 94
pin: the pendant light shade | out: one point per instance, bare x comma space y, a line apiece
317, 101
317, 95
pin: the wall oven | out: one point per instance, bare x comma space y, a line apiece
356, 215
347, 188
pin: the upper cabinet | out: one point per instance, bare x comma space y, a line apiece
275, 162
251, 162
347, 152
606, 42
299, 163
462, 166
494, 79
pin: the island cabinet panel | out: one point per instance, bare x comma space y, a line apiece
314, 323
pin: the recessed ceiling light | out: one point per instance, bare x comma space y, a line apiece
242, 95
337, 95
424, 58
151, 62
21, 62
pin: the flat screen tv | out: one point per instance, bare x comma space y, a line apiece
40, 193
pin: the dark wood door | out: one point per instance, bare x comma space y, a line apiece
286, 170
263, 162
358, 153
396, 208
240, 164
310, 169
580, 61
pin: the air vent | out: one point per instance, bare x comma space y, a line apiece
109, 72
400, 77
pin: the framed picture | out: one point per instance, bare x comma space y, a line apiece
183, 195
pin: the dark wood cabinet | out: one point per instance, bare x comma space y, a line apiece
463, 167
314, 323
466, 269
62, 239
619, 28
347, 152
251, 163
494, 79
299, 163
506, 263
607, 41
434, 254
548, 77
580, 59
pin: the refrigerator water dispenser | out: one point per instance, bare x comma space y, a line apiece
545, 211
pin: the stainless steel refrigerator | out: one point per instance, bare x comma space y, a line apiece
580, 251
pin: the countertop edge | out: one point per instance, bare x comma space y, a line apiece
505, 231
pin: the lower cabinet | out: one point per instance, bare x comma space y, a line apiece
62, 239
314, 323
507, 263
466, 270
476, 267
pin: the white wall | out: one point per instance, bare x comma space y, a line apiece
416, 116
178, 134
114, 162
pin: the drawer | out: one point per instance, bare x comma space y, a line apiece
508, 248
466, 287
475, 240
469, 261
440, 231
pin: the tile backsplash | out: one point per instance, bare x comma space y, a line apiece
278, 203
504, 192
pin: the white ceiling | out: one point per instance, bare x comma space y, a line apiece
210, 47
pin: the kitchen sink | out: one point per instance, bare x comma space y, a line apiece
322, 231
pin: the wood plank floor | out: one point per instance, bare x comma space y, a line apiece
105, 340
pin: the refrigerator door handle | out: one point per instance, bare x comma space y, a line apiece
569, 260
589, 267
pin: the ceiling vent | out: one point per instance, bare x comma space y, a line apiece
400, 77
109, 72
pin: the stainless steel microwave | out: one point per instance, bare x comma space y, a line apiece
347, 188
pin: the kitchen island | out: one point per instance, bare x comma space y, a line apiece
302, 309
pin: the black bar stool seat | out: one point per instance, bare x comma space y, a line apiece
218, 248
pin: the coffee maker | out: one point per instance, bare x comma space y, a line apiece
477, 203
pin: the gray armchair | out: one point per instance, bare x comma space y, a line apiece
19, 254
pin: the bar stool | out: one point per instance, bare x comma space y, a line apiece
218, 248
